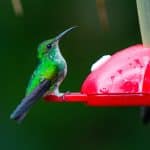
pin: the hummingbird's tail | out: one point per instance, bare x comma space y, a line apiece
145, 114
22, 109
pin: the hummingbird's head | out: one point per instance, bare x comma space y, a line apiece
51, 45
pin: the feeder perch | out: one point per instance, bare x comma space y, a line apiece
121, 80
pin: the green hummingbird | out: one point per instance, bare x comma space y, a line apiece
48, 75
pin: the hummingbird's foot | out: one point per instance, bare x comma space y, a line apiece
55, 92
62, 95
57, 97
59, 94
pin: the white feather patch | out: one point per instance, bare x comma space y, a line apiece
100, 62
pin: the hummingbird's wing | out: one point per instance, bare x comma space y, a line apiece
45, 70
28, 101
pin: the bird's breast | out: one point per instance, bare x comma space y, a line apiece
62, 65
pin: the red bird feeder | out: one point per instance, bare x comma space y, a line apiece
121, 80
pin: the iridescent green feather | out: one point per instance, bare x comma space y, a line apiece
46, 70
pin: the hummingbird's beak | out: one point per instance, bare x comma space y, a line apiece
57, 38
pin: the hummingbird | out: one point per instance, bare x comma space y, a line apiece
47, 77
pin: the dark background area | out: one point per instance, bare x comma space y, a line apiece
66, 126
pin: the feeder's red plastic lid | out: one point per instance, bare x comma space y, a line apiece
122, 73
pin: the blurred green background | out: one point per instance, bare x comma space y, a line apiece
66, 126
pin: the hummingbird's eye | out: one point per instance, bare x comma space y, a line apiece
49, 46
